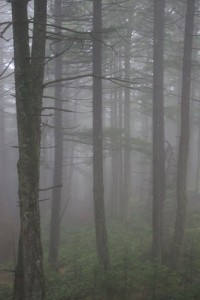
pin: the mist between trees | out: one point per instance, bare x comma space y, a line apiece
99, 150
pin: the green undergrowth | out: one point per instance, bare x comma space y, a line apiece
131, 276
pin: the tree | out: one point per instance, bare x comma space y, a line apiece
29, 71
158, 130
58, 153
127, 126
99, 209
2, 134
185, 135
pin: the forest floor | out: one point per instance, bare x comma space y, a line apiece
132, 275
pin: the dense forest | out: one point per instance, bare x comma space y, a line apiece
100, 150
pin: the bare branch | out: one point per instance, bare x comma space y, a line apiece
50, 188
58, 109
6, 68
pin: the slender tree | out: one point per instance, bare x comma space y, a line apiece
120, 152
58, 153
3, 159
29, 71
99, 209
127, 127
198, 160
185, 134
114, 197
158, 130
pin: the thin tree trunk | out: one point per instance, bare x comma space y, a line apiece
112, 154
58, 153
116, 169
114, 151
185, 134
99, 208
127, 129
70, 153
29, 72
158, 131
121, 156
198, 160
3, 150
143, 158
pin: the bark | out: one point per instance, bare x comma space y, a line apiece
127, 130
71, 151
99, 208
29, 71
184, 137
58, 153
3, 150
158, 131
112, 154
120, 153
114, 199
198, 160
144, 165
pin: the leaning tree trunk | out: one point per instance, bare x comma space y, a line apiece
185, 134
158, 130
29, 72
58, 153
99, 209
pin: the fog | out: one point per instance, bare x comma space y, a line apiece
119, 172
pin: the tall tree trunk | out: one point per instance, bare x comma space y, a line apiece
112, 154
114, 150
198, 160
121, 156
185, 134
158, 130
99, 208
116, 170
3, 155
29, 72
127, 129
71, 152
144, 166
58, 153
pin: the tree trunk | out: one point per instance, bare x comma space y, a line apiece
185, 134
58, 153
99, 209
3, 148
198, 160
29, 72
114, 151
127, 129
158, 130
120, 152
